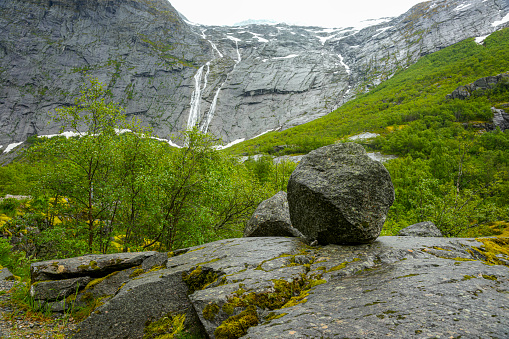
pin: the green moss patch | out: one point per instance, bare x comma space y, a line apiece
94, 282
237, 326
199, 278
493, 247
165, 328
210, 311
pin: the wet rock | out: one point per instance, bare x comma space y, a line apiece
5, 274
57, 289
338, 195
422, 229
272, 219
154, 297
94, 265
278, 287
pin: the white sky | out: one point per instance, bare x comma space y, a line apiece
325, 13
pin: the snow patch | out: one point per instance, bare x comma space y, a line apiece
323, 40
258, 36
171, 143
462, 7
480, 39
341, 60
286, 57
259, 135
229, 144
67, 134
363, 136
500, 22
10, 147
381, 30
233, 38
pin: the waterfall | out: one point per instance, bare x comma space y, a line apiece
194, 111
208, 116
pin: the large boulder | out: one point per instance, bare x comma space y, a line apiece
272, 219
422, 229
338, 195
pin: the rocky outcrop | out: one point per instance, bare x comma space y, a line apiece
500, 119
272, 219
422, 229
143, 52
281, 288
338, 195
235, 82
479, 86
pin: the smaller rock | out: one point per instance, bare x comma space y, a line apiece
94, 265
422, 229
5, 274
59, 289
272, 219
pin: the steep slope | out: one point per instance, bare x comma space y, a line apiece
236, 82
141, 49
287, 75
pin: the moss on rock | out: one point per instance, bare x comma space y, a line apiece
210, 311
237, 326
166, 327
199, 278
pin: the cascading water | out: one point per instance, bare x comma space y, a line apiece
208, 117
194, 112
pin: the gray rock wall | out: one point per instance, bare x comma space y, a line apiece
253, 78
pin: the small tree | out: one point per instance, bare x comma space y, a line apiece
82, 167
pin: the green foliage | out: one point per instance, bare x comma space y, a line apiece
16, 262
409, 95
104, 184
449, 170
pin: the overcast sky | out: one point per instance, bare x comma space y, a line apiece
326, 13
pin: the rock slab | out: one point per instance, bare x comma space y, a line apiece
422, 229
404, 287
338, 195
272, 219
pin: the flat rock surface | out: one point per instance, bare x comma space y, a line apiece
423, 296
422, 229
402, 287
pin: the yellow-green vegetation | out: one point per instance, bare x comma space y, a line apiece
94, 282
274, 316
167, 327
137, 272
91, 303
493, 247
340, 266
237, 326
282, 294
448, 170
210, 311
198, 278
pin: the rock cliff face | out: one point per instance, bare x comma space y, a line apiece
235, 82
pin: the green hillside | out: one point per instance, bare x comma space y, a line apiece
448, 171
411, 94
